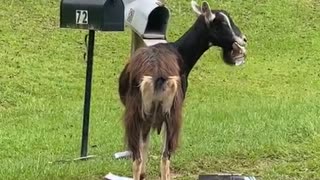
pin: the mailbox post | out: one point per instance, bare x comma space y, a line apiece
92, 15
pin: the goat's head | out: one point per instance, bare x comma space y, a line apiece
222, 32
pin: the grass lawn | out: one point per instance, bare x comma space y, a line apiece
260, 119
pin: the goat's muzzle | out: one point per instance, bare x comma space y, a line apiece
237, 54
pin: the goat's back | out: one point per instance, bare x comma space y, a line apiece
158, 60
156, 70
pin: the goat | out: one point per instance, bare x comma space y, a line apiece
153, 84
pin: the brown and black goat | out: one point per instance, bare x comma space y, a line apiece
153, 99
153, 84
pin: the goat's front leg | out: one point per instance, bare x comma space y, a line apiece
165, 160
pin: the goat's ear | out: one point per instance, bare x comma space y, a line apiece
206, 11
196, 8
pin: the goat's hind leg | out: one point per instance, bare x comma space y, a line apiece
140, 156
171, 132
133, 133
165, 160
144, 149
137, 161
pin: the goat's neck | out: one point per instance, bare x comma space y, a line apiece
193, 44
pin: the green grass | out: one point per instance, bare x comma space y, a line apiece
261, 119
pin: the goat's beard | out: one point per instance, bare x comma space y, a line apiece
233, 57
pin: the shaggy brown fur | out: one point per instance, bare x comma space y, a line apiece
153, 97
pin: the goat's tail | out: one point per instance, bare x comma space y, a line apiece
161, 89
159, 84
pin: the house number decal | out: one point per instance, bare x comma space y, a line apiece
130, 15
81, 16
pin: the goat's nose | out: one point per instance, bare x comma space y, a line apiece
244, 38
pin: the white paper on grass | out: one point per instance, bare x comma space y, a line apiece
111, 176
123, 154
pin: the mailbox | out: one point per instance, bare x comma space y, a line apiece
92, 15
103, 15
147, 18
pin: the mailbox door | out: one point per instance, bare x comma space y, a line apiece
113, 16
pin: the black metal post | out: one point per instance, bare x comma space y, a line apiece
87, 98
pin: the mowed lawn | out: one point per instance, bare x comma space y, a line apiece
260, 119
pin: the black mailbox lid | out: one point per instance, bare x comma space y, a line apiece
104, 15
113, 15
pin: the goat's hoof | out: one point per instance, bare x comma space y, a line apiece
165, 177
142, 176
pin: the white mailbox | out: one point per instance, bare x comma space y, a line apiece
148, 20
